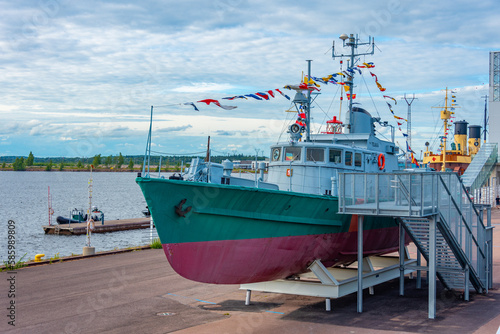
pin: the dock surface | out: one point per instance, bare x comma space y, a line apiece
138, 292
108, 226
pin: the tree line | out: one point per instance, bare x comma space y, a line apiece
118, 162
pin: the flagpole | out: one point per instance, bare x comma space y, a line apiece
308, 108
352, 42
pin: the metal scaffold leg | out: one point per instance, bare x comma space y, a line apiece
466, 289
419, 274
432, 268
328, 304
247, 299
360, 264
402, 257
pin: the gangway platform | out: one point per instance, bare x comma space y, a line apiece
437, 213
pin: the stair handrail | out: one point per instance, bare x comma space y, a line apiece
466, 223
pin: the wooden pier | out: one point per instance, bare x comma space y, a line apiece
108, 226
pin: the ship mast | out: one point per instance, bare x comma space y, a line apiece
308, 106
352, 42
445, 116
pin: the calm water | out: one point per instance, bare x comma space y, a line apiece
24, 200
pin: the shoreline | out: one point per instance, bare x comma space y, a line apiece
109, 170
76, 257
112, 170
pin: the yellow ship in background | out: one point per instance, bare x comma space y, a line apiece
463, 148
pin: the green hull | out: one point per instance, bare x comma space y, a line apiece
231, 235
224, 212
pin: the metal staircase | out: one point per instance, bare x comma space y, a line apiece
449, 270
423, 201
479, 170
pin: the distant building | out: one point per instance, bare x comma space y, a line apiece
243, 164
494, 98
494, 108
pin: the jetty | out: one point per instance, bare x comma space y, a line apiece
107, 226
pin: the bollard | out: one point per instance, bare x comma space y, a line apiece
38, 257
88, 251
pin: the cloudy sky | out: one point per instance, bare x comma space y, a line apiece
79, 78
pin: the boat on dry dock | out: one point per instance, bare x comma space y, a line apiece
218, 228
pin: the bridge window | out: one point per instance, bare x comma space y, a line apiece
357, 159
336, 156
348, 158
292, 153
276, 154
315, 154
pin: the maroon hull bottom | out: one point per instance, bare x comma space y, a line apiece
258, 260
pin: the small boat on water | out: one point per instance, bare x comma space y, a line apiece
146, 212
222, 229
79, 216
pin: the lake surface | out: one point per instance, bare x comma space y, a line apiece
25, 201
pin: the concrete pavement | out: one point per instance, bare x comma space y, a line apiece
138, 292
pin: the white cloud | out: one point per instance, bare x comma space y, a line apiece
203, 87
67, 67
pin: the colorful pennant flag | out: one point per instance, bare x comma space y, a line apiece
382, 89
217, 103
388, 97
286, 96
254, 96
263, 95
367, 65
413, 160
191, 104
235, 97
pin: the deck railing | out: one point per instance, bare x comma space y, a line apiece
414, 195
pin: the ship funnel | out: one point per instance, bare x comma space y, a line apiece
474, 139
461, 137
361, 121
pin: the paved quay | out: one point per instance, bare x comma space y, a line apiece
138, 292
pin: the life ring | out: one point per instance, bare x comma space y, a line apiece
381, 161
91, 224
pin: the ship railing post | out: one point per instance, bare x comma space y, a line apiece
410, 194
421, 194
360, 264
480, 264
489, 249
433, 180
